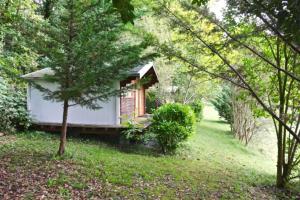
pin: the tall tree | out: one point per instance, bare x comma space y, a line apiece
88, 48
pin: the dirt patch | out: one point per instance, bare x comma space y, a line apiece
271, 192
38, 176
5, 139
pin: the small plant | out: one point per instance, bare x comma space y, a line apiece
133, 131
79, 186
172, 124
64, 192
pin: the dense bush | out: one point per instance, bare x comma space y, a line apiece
171, 125
13, 109
197, 107
223, 104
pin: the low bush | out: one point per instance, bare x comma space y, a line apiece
171, 125
197, 106
13, 109
133, 131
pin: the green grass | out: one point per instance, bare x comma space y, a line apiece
211, 165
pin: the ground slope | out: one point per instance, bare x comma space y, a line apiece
211, 165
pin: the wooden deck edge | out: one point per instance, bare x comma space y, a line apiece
79, 125
75, 129
86, 128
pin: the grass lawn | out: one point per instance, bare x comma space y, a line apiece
211, 165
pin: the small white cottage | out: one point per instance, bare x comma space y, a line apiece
49, 113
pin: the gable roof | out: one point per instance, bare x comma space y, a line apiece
39, 73
139, 71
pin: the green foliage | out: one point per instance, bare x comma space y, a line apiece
285, 13
89, 48
223, 104
265, 65
199, 2
197, 107
12, 108
133, 131
199, 167
125, 8
172, 124
152, 101
17, 32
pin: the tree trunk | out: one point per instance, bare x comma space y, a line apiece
243, 120
47, 8
279, 180
66, 84
64, 127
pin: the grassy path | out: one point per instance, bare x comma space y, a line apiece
214, 141
211, 165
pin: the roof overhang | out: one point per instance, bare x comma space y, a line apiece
139, 72
39, 74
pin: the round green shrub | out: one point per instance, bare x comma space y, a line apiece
172, 124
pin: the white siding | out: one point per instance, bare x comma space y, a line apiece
118, 108
45, 111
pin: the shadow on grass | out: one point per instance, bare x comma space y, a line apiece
222, 135
277, 193
119, 143
215, 126
114, 142
39, 156
215, 121
140, 149
25, 158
